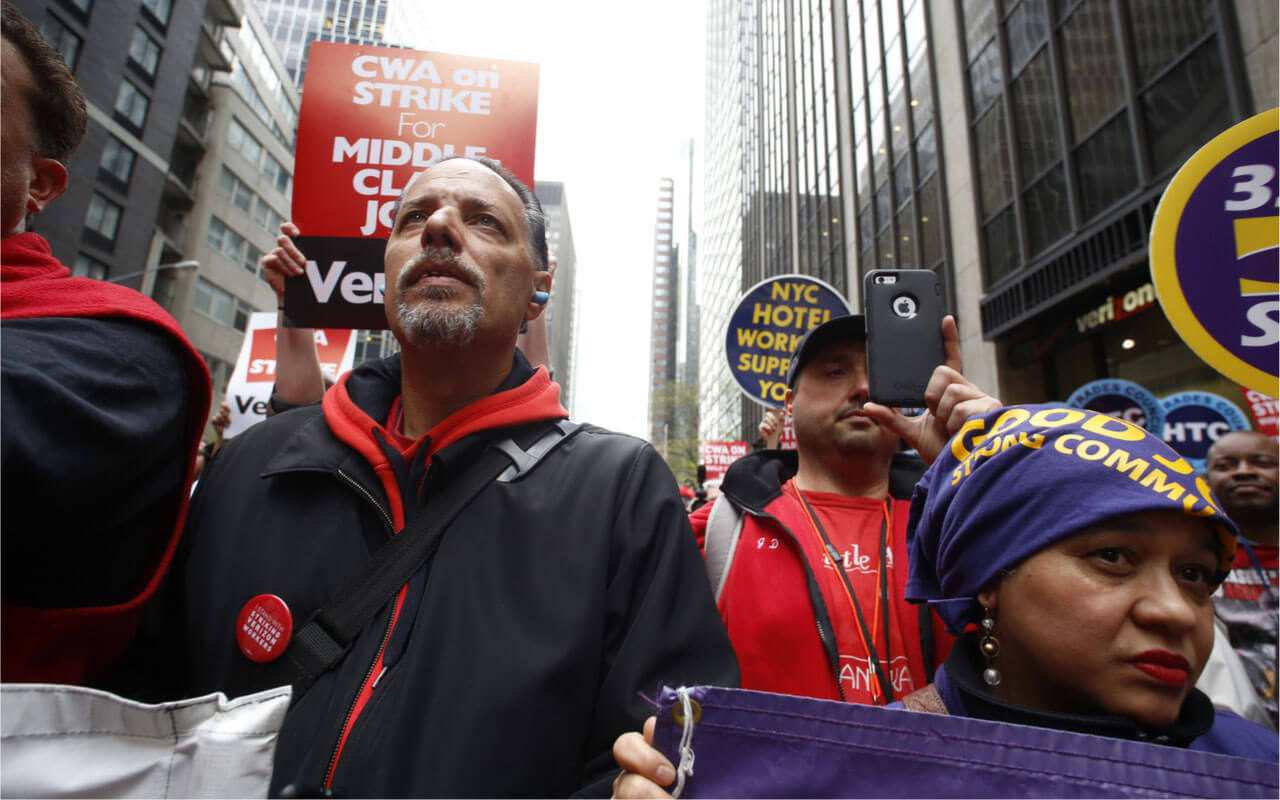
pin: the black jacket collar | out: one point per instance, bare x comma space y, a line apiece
755, 480
964, 668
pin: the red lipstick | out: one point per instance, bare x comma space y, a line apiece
1167, 668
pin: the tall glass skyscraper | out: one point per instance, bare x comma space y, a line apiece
294, 24
1018, 148
822, 156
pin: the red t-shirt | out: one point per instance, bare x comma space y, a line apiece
772, 623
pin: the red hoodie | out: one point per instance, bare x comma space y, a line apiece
72, 645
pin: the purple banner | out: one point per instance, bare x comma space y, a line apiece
756, 744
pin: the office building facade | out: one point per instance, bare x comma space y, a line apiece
1078, 113
242, 194
294, 24
822, 133
729, 88
561, 311
664, 321
146, 69
1016, 148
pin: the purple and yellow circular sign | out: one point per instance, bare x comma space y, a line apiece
1214, 256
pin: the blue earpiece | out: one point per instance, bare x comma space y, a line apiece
541, 298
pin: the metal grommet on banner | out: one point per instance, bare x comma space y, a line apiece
677, 712
264, 628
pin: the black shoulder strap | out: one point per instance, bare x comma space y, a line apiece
325, 638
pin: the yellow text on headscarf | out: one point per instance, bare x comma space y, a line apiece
1096, 438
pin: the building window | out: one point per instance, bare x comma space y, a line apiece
103, 217
1186, 108
63, 39
926, 153
219, 371
276, 173
225, 240
252, 258
1106, 167
86, 267
979, 23
927, 203
159, 9
1095, 82
116, 162
1048, 212
271, 221
1027, 28
235, 190
240, 320
1035, 117
214, 302
993, 161
262, 215
1001, 240
144, 53
1164, 29
131, 104
244, 143
984, 78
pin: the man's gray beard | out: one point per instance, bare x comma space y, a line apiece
428, 322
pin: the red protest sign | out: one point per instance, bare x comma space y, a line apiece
372, 118
717, 456
788, 439
1264, 410
331, 347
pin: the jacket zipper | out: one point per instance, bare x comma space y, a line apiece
348, 720
827, 638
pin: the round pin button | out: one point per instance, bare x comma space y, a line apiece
264, 628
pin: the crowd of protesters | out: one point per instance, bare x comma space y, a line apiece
549, 572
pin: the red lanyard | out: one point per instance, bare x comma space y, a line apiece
885, 694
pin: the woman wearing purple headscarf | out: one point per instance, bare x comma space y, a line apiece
1075, 555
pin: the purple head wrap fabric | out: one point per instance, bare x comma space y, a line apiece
1018, 479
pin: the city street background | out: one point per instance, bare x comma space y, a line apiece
620, 94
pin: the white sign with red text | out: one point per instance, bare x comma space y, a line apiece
249, 387
717, 456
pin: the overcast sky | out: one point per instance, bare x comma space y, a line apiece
620, 91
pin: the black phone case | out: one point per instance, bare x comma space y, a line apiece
902, 352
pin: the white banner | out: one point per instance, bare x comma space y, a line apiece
249, 388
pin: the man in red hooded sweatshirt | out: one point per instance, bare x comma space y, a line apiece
103, 404
570, 584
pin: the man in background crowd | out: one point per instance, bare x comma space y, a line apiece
806, 548
1242, 471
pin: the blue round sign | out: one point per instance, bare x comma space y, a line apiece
1193, 421
1123, 399
766, 326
